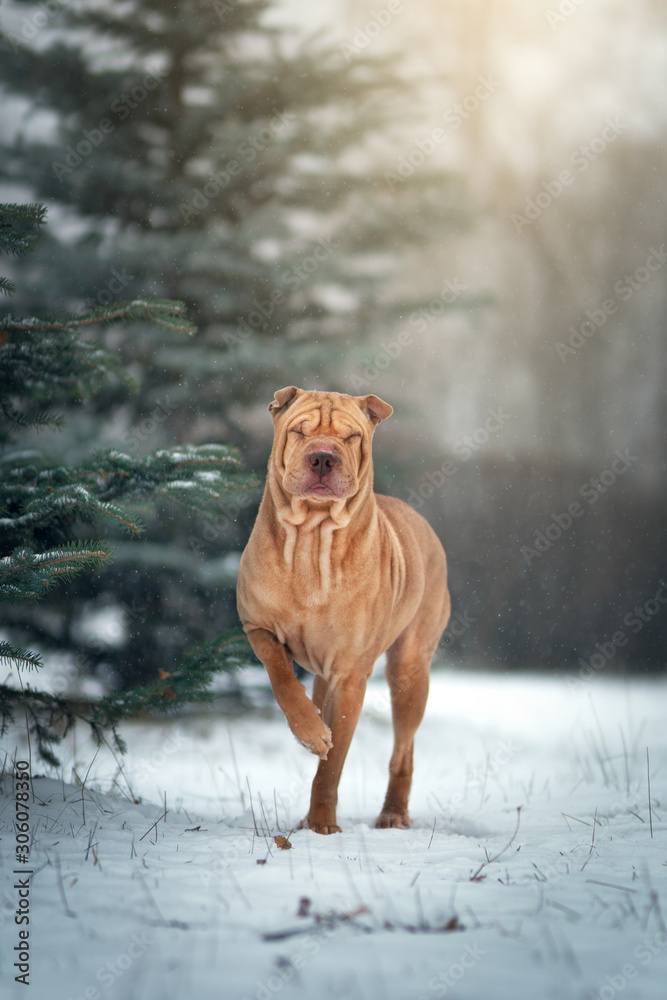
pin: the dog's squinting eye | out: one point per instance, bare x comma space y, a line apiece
350, 436
295, 430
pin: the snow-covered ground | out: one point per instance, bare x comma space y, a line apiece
127, 902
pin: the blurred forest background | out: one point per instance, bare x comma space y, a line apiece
457, 205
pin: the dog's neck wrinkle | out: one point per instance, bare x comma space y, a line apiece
308, 541
309, 535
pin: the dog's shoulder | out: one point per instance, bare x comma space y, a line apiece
405, 520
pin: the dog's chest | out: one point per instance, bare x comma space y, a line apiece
326, 642
335, 597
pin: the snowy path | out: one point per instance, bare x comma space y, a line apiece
126, 903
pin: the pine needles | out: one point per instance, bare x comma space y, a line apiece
51, 362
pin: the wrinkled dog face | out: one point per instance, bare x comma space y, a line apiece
323, 449
322, 441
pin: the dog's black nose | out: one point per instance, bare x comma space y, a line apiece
322, 462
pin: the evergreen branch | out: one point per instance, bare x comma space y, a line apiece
204, 500
64, 503
48, 559
26, 575
199, 478
49, 717
11, 655
230, 647
54, 366
193, 455
32, 213
165, 312
187, 684
39, 420
19, 227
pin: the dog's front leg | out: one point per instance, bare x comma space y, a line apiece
341, 709
302, 717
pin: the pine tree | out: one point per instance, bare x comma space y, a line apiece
207, 158
215, 164
45, 508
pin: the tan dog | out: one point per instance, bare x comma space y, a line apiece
333, 576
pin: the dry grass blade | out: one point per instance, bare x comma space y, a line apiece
648, 782
489, 861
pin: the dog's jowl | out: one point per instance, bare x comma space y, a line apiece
333, 576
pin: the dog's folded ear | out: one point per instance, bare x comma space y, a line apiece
375, 408
283, 397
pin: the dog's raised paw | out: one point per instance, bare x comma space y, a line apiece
313, 734
320, 745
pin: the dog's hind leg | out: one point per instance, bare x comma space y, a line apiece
407, 671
